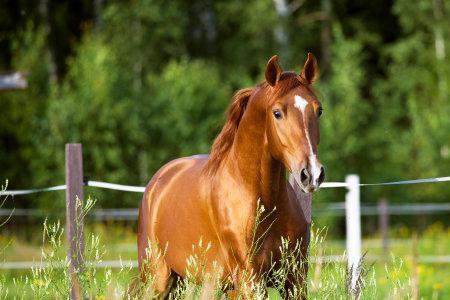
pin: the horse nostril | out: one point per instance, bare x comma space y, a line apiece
304, 177
322, 175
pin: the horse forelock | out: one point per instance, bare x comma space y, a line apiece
287, 82
225, 139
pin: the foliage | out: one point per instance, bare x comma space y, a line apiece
415, 135
342, 129
184, 94
22, 111
142, 82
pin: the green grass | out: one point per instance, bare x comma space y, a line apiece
389, 274
395, 275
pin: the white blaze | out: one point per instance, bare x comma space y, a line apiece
301, 104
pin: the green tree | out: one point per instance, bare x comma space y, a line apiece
184, 113
178, 115
413, 101
345, 110
23, 111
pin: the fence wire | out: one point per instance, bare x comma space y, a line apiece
141, 189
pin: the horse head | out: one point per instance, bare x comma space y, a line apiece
292, 118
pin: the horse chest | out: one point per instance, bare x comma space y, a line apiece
245, 238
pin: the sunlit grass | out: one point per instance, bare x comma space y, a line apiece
386, 276
325, 280
434, 279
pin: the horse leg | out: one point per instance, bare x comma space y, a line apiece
155, 286
298, 282
155, 278
156, 274
243, 280
141, 290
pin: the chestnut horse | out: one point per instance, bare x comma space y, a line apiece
271, 129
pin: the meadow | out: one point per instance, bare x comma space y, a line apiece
398, 275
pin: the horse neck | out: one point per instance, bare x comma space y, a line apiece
261, 174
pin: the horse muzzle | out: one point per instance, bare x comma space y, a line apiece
309, 179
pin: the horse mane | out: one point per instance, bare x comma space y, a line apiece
223, 142
225, 139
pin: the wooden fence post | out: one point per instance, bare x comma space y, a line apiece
74, 222
383, 225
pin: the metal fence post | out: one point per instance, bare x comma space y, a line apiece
74, 222
353, 225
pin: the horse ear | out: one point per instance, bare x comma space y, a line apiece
273, 71
310, 69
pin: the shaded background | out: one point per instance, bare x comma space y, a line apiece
141, 82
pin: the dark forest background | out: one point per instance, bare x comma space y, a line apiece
145, 81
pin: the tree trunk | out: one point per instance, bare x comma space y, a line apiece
280, 32
439, 44
52, 67
325, 39
98, 5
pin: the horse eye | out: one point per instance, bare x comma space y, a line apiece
277, 114
320, 111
